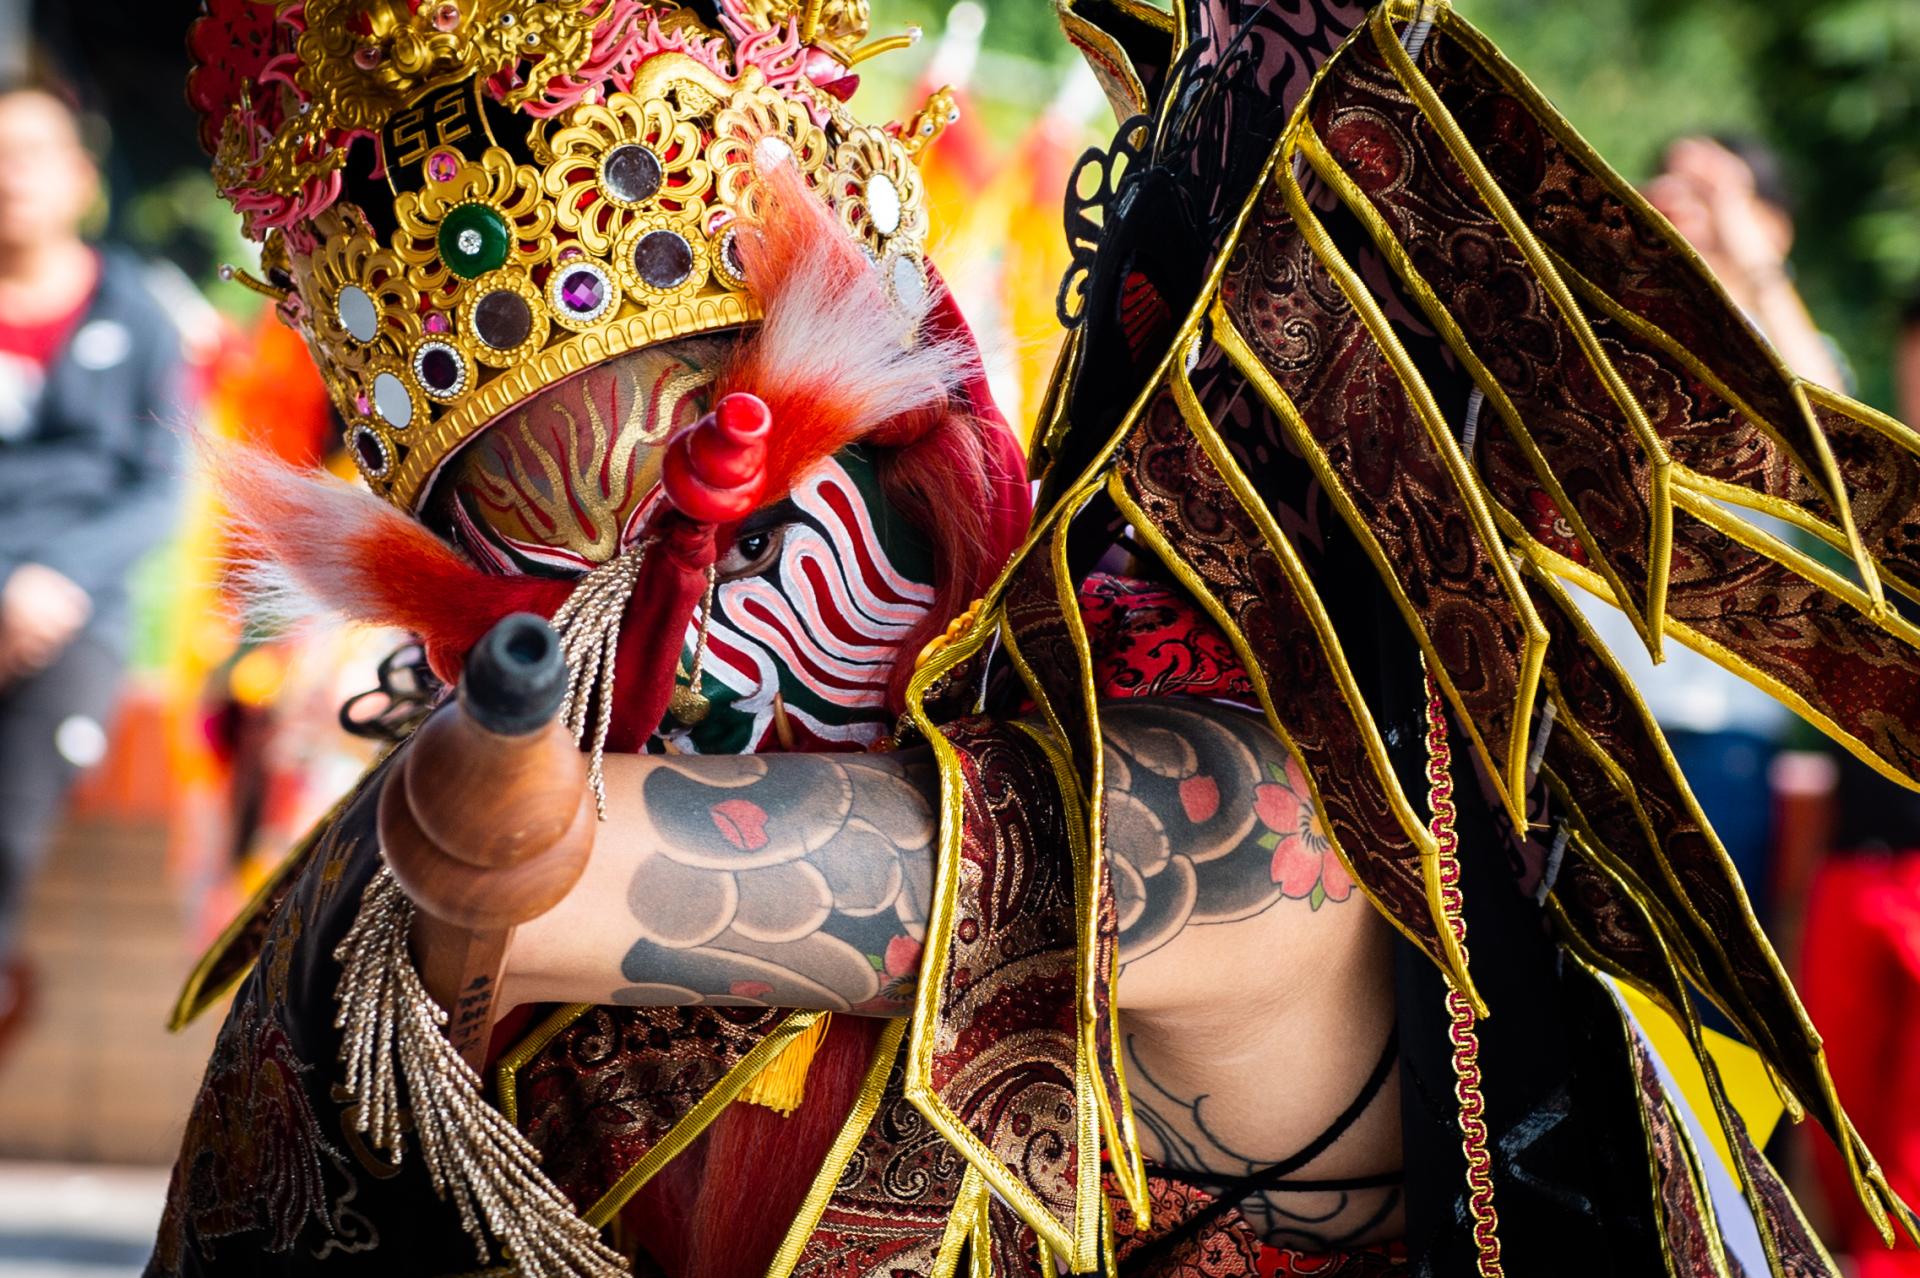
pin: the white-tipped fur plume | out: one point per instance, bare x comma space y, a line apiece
838, 357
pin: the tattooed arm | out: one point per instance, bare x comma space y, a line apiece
804, 880
786, 880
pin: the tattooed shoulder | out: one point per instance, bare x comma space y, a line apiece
1209, 820
804, 880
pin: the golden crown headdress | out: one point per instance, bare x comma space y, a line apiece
465, 201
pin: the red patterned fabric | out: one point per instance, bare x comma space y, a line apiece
1150, 640
1228, 1248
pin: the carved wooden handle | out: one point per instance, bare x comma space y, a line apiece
486, 822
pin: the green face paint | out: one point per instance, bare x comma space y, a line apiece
814, 601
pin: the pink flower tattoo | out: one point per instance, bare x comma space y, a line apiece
1304, 865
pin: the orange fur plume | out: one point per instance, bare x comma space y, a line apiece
321, 543
836, 359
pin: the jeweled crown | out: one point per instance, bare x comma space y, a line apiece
465, 201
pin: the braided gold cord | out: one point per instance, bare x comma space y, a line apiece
1463, 1033
589, 628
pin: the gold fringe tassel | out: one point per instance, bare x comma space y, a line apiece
782, 1085
394, 1034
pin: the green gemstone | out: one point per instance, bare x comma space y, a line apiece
474, 240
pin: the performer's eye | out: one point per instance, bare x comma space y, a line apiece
751, 552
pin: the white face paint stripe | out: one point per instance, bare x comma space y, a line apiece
834, 623
738, 663
888, 592
824, 590
761, 612
738, 656
813, 549
865, 732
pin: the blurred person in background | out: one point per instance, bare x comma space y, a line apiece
1729, 198
89, 363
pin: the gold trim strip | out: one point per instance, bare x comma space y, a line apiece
1203, 300
1654, 335
1482, 50
195, 998
1230, 473
1798, 562
980, 1242
1184, 573
1728, 1119
1510, 772
1866, 415
1597, 850
506, 1070
963, 1224
1660, 551
1122, 1141
1088, 833
1546, 565
1622, 783
1310, 146
195, 995
1010, 644
1863, 1171
1787, 512
1092, 40
699, 1118
934, 958
866, 1103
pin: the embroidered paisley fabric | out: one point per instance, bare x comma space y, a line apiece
271, 1172
272, 1177
1448, 361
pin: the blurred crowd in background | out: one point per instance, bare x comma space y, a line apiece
1782, 140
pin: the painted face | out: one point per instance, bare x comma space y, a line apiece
558, 486
812, 603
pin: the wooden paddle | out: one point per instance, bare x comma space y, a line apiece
487, 821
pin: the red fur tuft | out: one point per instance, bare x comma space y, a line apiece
835, 359
355, 554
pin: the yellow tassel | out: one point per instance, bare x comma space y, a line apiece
782, 1084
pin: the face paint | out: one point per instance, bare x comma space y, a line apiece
812, 605
558, 486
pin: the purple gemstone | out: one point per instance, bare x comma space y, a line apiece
436, 322
371, 452
439, 369
442, 165
582, 292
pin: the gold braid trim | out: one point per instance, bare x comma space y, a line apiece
1465, 1035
